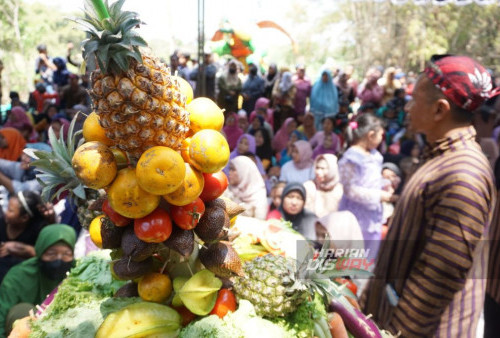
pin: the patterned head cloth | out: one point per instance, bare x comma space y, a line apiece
462, 80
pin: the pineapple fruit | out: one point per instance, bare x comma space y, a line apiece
139, 103
271, 286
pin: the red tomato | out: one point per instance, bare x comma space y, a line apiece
215, 184
187, 216
153, 228
349, 283
186, 315
116, 218
225, 302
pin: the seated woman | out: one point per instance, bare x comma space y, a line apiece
300, 168
293, 209
232, 131
256, 122
282, 136
19, 120
263, 147
25, 217
262, 109
327, 147
307, 127
28, 283
247, 187
318, 139
246, 144
286, 154
324, 192
12, 144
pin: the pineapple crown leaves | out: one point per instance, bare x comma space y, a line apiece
320, 278
56, 171
112, 39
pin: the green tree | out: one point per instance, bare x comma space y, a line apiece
22, 28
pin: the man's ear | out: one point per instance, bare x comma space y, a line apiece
443, 110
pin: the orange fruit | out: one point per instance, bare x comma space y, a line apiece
205, 114
95, 230
92, 130
190, 189
185, 149
126, 197
155, 287
94, 164
160, 170
208, 151
185, 88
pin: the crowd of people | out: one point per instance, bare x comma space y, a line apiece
395, 161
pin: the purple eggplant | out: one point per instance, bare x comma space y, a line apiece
355, 321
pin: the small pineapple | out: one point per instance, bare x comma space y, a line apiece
270, 284
138, 101
277, 285
57, 176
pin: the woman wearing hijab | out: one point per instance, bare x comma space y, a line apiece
328, 124
256, 122
12, 144
286, 154
293, 209
247, 187
229, 84
325, 191
17, 118
324, 101
283, 97
263, 147
20, 224
31, 281
262, 108
59, 124
300, 169
269, 79
244, 146
232, 130
282, 136
307, 127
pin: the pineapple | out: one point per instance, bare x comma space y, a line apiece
138, 101
269, 283
277, 285
57, 176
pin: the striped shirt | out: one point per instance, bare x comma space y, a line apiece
493, 283
434, 255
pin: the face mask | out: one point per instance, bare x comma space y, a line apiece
232, 70
55, 270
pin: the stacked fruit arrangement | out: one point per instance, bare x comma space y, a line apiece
151, 157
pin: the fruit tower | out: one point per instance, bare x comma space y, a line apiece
154, 152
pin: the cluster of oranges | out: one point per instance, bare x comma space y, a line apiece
162, 179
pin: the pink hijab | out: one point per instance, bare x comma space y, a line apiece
305, 154
281, 138
332, 178
251, 187
261, 103
232, 131
18, 118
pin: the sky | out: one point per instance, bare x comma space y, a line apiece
180, 18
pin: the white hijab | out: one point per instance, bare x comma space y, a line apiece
251, 189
